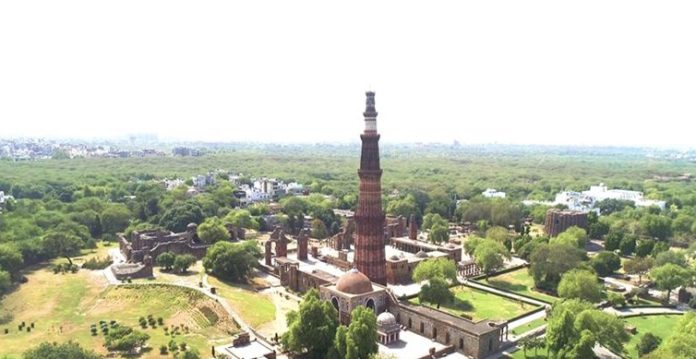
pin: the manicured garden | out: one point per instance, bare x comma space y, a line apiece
534, 324
254, 308
518, 281
66, 306
478, 305
659, 325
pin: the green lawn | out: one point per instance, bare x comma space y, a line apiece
518, 281
63, 307
483, 305
659, 325
529, 326
254, 308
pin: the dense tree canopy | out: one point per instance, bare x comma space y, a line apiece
212, 230
550, 261
232, 261
312, 328
69, 350
580, 284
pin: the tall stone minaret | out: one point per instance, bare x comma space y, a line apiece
369, 218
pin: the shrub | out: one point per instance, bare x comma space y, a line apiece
692, 303
163, 350
648, 343
97, 263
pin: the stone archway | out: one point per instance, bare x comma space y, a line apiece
334, 302
370, 304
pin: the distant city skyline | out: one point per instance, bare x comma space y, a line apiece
594, 73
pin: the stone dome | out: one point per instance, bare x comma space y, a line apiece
394, 257
386, 319
354, 282
192, 226
421, 254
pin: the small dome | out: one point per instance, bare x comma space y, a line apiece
394, 257
421, 254
354, 282
192, 226
386, 319
450, 246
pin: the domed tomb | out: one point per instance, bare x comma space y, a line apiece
354, 282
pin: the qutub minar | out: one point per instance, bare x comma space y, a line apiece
369, 218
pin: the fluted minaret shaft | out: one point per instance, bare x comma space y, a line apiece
369, 218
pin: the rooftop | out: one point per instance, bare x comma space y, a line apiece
413, 346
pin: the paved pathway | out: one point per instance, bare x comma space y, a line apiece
642, 310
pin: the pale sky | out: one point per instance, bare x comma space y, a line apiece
523, 72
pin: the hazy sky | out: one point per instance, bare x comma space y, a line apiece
541, 72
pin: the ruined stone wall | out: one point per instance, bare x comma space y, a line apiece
558, 221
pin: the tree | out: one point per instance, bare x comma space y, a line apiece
125, 339
212, 230
605, 263
627, 245
568, 321
612, 240
583, 348
178, 217
610, 205
166, 260
435, 268
182, 262
438, 234
490, 256
639, 266
675, 257
644, 247
69, 350
115, 218
669, 277
580, 284
436, 291
550, 261
574, 236
319, 230
241, 218
432, 219
61, 244
5, 281
405, 206
682, 343
471, 243
11, 260
312, 328
656, 226
361, 337
232, 261
648, 343
498, 234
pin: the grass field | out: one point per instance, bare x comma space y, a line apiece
63, 306
256, 309
659, 325
529, 326
518, 281
482, 305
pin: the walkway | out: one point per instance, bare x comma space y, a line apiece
623, 312
502, 293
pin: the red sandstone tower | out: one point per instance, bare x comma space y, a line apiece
369, 218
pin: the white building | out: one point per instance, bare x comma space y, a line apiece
492, 193
601, 192
172, 184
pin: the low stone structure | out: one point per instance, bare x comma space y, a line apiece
244, 347
124, 271
557, 221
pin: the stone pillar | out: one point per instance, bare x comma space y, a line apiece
282, 246
267, 252
412, 228
302, 242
